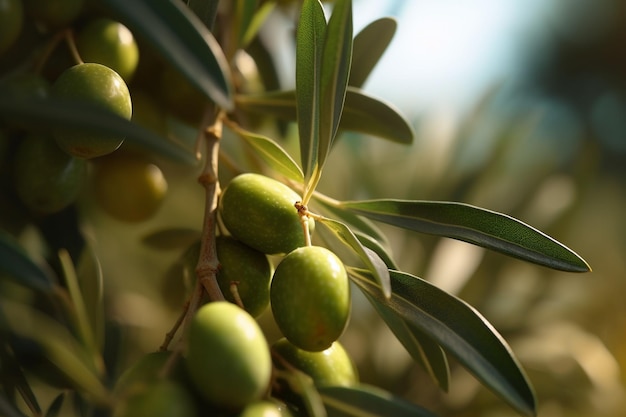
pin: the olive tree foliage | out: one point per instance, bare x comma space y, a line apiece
62, 320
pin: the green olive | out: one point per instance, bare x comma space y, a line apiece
160, 398
129, 188
310, 297
265, 409
227, 358
11, 21
109, 43
98, 85
46, 178
248, 269
330, 367
260, 212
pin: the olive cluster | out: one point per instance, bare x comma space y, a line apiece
50, 168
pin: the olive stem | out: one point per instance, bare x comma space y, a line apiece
234, 290
303, 212
71, 44
208, 264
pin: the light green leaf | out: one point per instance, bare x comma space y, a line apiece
335, 70
172, 238
260, 16
374, 263
422, 348
309, 48
460, 330
90, 281
271, 152
362, 113
369, 45
59, 344
373, 244
475, 225
50, 113
244, 13
368, 401
17, 265
183, 40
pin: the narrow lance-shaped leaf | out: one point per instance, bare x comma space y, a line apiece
475, 225
50, 113
369, 45
271, 152
368, 401
260, 16
183, 39
17, 265
309, 45
361, 113
460, 330
374, 263
422, 348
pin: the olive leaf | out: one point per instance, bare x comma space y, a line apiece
461, 330
183, 40
369, 45
475, 225
16, 264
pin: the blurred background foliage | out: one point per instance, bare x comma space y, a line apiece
519, 107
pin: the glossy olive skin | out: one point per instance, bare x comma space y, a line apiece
328, 368
227, 358
160, 398
249, 268
98, 85
265, 409
310, 297
109, 43
260, 212
47, 179
129, 188
11, 22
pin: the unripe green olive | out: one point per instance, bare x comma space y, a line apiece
109, 43
128, 187
46, 178
11, 21
260, 212
227, 358
265, 409
248, 269
310, 297
98, 85
161, 398
330, 367
53, 14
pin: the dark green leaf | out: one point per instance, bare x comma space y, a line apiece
12, 378
374, 263
361, 113
335, 70
475, 225
17, 265
55, 407
174, 238
183, 39
368, 401
271, 152
460, 330
309, 48
50, 113
369, 46
426, 352
373, 244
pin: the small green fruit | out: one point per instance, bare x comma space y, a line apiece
161, 398
249, 269
260, 212
53, 14
328, 368
228, 358
109, 43
11, 21
265, 409
310, 297
47, 179
129, 188
98, 85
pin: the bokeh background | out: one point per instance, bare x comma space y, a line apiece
519, 106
